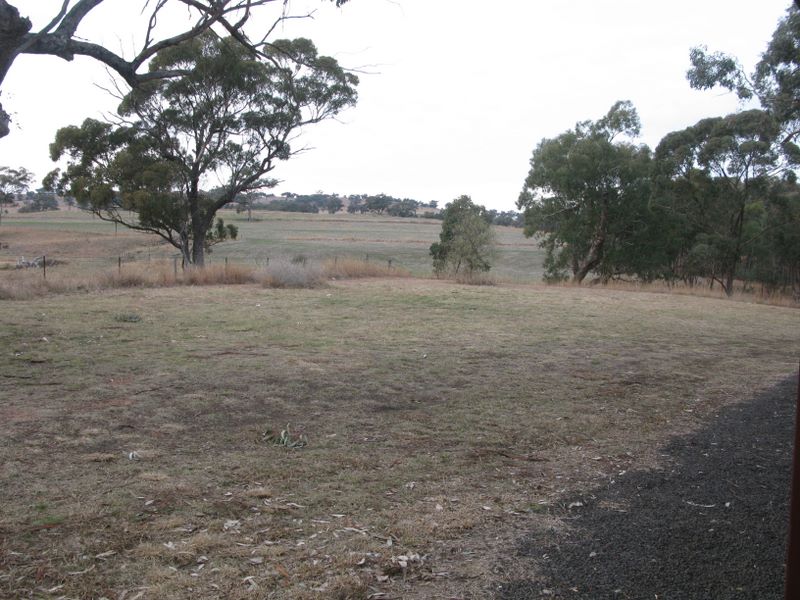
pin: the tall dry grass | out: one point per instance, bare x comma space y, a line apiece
280, 273
29, 283
283, 273
352, 268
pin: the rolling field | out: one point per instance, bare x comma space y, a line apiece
88, 244
428, 424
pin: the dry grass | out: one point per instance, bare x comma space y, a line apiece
439, 418
740, 293
280, 273
475, 278
30, 283
285, 273
352, 268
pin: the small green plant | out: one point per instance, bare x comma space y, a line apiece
284, 438
127, 318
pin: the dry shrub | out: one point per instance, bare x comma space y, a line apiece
282, 273
26, 285
475, 278
352, 268
219, 274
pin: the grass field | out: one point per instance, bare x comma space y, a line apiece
88, 244
428, 423
440, 419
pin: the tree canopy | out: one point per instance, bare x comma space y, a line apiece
233, 116
12, 181
58, 37
585, 190
466, 241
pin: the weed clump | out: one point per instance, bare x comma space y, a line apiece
283, 273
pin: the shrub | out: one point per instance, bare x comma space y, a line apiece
282, 273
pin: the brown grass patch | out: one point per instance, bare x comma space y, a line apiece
298, 273
448, 419
741, 293
352, 268
475, 278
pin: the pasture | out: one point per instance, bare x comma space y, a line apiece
428, 423
88, 244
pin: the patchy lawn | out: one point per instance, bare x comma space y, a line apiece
137, 460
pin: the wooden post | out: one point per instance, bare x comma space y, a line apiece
390, 264
268, 261
367, 257
175, 268
119, 264
44, 266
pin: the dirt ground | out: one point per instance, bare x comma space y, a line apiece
711, 522
428, 425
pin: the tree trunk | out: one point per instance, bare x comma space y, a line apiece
198, 249
595, 253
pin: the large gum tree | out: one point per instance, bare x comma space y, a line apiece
60, 37
231, 118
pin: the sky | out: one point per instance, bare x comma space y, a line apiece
454, 94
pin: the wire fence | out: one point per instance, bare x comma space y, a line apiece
86, 264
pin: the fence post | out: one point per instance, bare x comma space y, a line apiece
390, 264
367, 257
175, 267
119, 264
44, 266
335, 260
226, 266
268, 261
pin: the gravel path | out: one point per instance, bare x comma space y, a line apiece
713, 525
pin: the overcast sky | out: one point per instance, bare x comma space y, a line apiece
457, 92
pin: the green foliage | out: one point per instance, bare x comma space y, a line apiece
39, 202
285, 438
775, 81
712, 176
334, 205
466, 240
12, 182
586, 194
230, 117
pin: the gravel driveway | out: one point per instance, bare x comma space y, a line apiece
711, 525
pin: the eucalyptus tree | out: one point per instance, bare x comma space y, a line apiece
59, 37
231, 118
12, 182
584, 194
712, 174
466, 241
774, 82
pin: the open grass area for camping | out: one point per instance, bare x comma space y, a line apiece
384, 438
